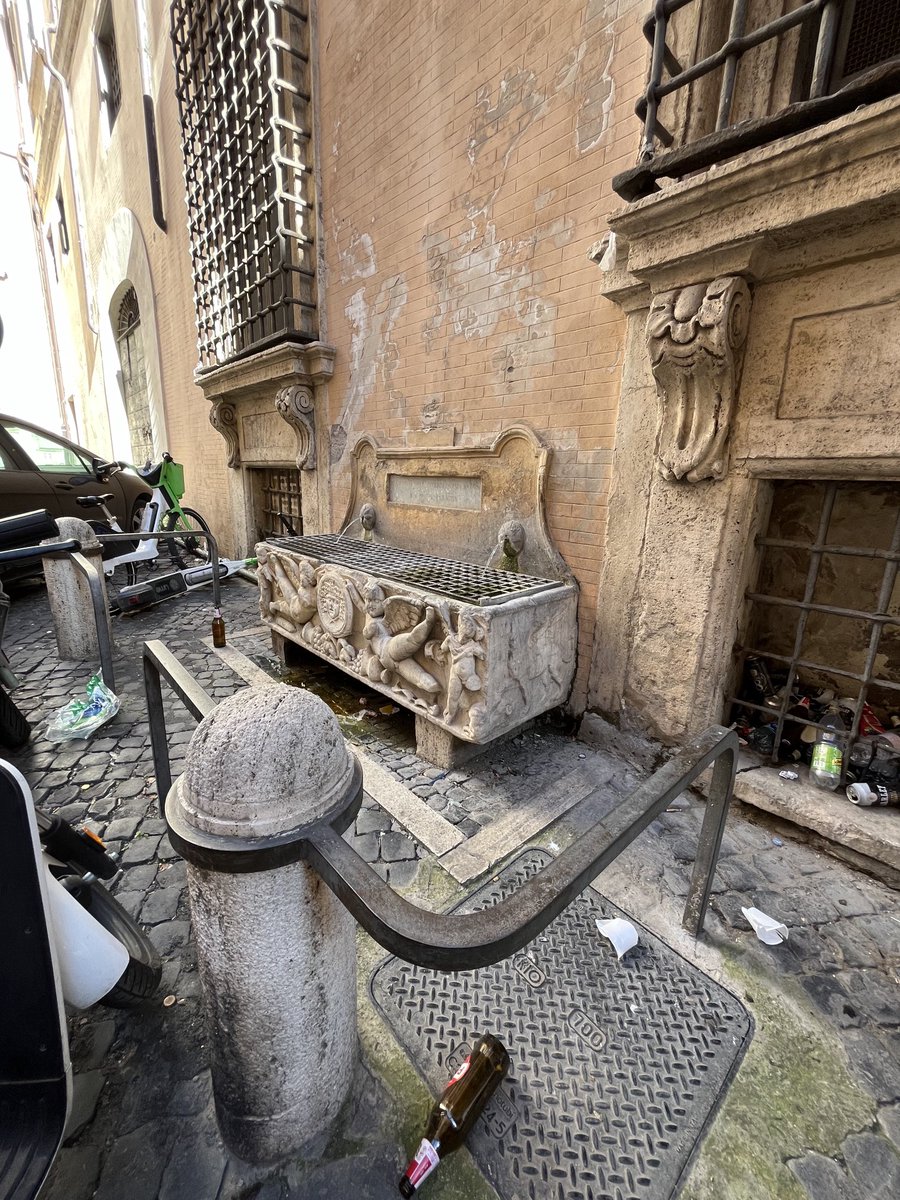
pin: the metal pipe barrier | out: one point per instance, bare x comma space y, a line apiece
160, 663
437, 940
94, 577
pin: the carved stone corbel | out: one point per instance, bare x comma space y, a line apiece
223, 418
696, 336
295, 404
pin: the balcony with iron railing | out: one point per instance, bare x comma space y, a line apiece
725, 78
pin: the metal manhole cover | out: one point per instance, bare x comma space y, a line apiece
616, 1067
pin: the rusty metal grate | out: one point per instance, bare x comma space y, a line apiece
445, 577
277, 500
869, 630
242, 83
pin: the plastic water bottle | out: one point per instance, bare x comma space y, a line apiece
827, 763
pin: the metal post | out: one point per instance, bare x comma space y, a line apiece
276, 948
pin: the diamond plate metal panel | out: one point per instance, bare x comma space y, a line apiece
616, 1067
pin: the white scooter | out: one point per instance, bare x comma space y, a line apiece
66, 940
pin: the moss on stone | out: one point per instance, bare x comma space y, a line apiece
793, 1093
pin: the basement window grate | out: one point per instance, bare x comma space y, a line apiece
277, 499
242, 83
826, 610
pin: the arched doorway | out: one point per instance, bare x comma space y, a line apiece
130, 345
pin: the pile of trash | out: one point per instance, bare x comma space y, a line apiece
816, 731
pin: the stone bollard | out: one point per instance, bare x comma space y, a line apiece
74, 618
277, 950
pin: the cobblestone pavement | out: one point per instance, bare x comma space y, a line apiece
813, 1112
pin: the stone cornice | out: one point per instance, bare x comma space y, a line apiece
740, 217
290, 363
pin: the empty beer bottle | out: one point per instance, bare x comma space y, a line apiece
455, 1113
218, 629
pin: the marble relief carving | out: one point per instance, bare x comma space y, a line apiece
696, 338
432, 657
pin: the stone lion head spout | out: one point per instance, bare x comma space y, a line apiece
696, 338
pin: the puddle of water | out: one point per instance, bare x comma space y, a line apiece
360, 712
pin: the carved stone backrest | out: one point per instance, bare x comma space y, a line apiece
452, 501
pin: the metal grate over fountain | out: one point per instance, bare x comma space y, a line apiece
443, 576
616, 1066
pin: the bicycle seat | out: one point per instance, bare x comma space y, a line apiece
94, 501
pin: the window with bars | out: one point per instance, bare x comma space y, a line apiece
277, 501
824, 615
838, 54
242, 82
108, 78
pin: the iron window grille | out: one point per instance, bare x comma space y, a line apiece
242, 83
848, 53
277, 492
863, 674
108, 76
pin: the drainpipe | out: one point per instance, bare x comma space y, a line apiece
46, 57
159, 215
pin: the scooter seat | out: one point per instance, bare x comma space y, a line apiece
94, 501
34, 1066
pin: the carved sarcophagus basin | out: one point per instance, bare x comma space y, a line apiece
474, 650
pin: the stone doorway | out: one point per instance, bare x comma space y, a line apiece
135, 394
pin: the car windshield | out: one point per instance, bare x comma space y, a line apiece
45, 451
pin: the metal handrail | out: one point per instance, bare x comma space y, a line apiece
464, 942
160, 663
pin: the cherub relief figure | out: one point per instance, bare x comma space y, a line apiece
463, 648
395, 631
292, 591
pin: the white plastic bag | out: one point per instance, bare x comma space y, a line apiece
79, 718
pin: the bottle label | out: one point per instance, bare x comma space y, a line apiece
462, 1070
423, 1164
828, 759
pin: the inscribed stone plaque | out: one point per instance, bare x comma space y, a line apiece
435, 491
843, 363
266, 438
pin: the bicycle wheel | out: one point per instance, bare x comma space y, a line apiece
188, 550
141, 977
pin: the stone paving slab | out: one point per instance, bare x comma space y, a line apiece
813, 1108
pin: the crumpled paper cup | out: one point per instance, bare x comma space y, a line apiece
622, 934
766, 928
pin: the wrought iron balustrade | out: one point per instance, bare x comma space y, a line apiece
844, 53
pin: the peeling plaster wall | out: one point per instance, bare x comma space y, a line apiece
467, 153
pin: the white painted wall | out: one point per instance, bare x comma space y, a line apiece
27, 386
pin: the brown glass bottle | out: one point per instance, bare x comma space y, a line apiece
455, 1113
218, 629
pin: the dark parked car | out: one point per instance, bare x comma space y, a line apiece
43, 470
